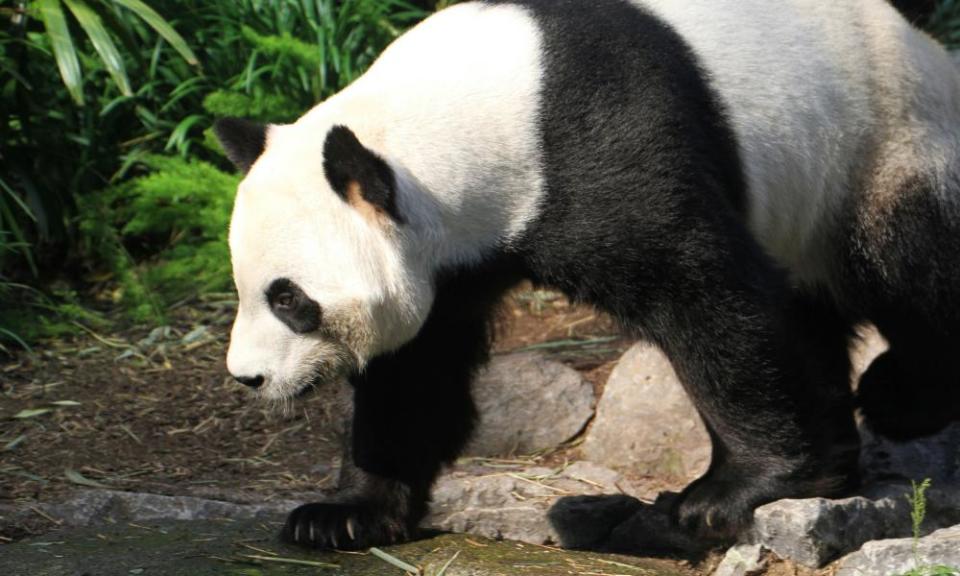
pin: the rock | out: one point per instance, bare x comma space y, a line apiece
742, 560
513, 503
209, 548
496, 506
941, 548
814, 531
528, 403
487, 501
90, 507
645, 423
935, 457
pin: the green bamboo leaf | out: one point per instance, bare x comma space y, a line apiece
7, 216
179, 136
15, 338
16, 198
63, 49
163, 28
92, 24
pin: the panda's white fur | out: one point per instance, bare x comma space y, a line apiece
465, 185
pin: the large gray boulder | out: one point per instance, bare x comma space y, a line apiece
645, 423
936, 457
815, 531
528, 403
941, 548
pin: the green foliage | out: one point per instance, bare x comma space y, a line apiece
266, 107
918, 511
91, 20
163, 233
938, 570
83, 188
37, 315
944, 23
918, 507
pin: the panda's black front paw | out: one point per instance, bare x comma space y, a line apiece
343, 526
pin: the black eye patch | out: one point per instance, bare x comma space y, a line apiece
293, 307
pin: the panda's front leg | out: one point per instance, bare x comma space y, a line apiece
370, 510
412, 414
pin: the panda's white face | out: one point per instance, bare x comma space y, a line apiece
324, 278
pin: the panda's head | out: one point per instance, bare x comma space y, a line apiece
324, 264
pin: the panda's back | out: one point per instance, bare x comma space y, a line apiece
498, 107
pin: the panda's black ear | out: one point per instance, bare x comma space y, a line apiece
242, 140
363, 179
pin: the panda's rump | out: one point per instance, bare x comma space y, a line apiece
813, 91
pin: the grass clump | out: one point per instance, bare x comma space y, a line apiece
918, 512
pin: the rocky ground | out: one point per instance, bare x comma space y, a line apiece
131, 454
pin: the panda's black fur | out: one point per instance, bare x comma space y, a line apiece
644, 218
658, 242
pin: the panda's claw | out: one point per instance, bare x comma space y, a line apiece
342, 526
350, 531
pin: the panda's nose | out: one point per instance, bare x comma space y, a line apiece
251, 381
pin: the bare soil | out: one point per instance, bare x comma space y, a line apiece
155, 411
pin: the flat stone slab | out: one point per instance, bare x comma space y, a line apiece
513, 504
209, 547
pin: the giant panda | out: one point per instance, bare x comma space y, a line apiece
739, 182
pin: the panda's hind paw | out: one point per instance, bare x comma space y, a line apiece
718, 508
717, 512
342, 526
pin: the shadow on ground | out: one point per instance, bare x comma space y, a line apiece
201, 548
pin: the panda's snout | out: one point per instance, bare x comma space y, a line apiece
251, 381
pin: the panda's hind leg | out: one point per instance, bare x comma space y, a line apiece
902, 272
912, 389
795, 438
766, 369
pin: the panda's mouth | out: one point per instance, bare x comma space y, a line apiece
307, 390
324, 375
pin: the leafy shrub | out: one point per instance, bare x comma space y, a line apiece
944, 23
268, 60
163, 233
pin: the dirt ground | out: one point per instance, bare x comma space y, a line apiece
155, 411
